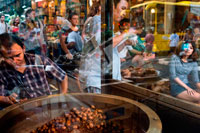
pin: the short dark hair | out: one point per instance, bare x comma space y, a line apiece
116, 2
71, 15
28, 11
94, 9
125, 20
7, 40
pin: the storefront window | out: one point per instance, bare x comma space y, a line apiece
63, 61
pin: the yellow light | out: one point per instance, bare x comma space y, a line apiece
90, 2
153, 10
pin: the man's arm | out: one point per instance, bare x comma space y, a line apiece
56, 72
5, 100
64, 47
121, 47
70, 45
64, 85
117, 39
137, 52
126, 43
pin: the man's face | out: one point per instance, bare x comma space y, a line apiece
119, 10
14, 56
32, 15
2, 18
74, 20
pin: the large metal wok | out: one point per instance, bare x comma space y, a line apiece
134, 116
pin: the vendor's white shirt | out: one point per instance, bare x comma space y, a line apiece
2, 28
116, 66
123, 52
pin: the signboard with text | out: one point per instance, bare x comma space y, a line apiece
195, 9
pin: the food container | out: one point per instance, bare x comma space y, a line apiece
132, 115
138, 74
162, 86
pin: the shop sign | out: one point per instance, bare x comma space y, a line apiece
195, 9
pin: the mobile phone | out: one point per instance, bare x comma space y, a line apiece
185, 46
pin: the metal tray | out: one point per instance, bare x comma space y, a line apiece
146, 78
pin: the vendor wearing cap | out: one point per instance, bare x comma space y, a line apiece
183, 64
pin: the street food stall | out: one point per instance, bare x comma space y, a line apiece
113, 112
163, 17
167, 106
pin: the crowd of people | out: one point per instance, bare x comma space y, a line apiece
25, 65
26, 68
183, 67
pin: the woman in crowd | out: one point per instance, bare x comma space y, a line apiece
149, 38
92, 12
183, 64
15, 26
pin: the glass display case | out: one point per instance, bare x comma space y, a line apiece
110, 38
131, 115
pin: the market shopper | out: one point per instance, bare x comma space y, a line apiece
25, 75
189, 34
85, 31
173, 43
14, 28
92, 62
74, 40
74, 43
29, 33
3, 25
149, 38
183, 64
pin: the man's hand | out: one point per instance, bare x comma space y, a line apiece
132, 42
69, 56
5, 100
128, 42
23, 100
132, 32
122, 59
